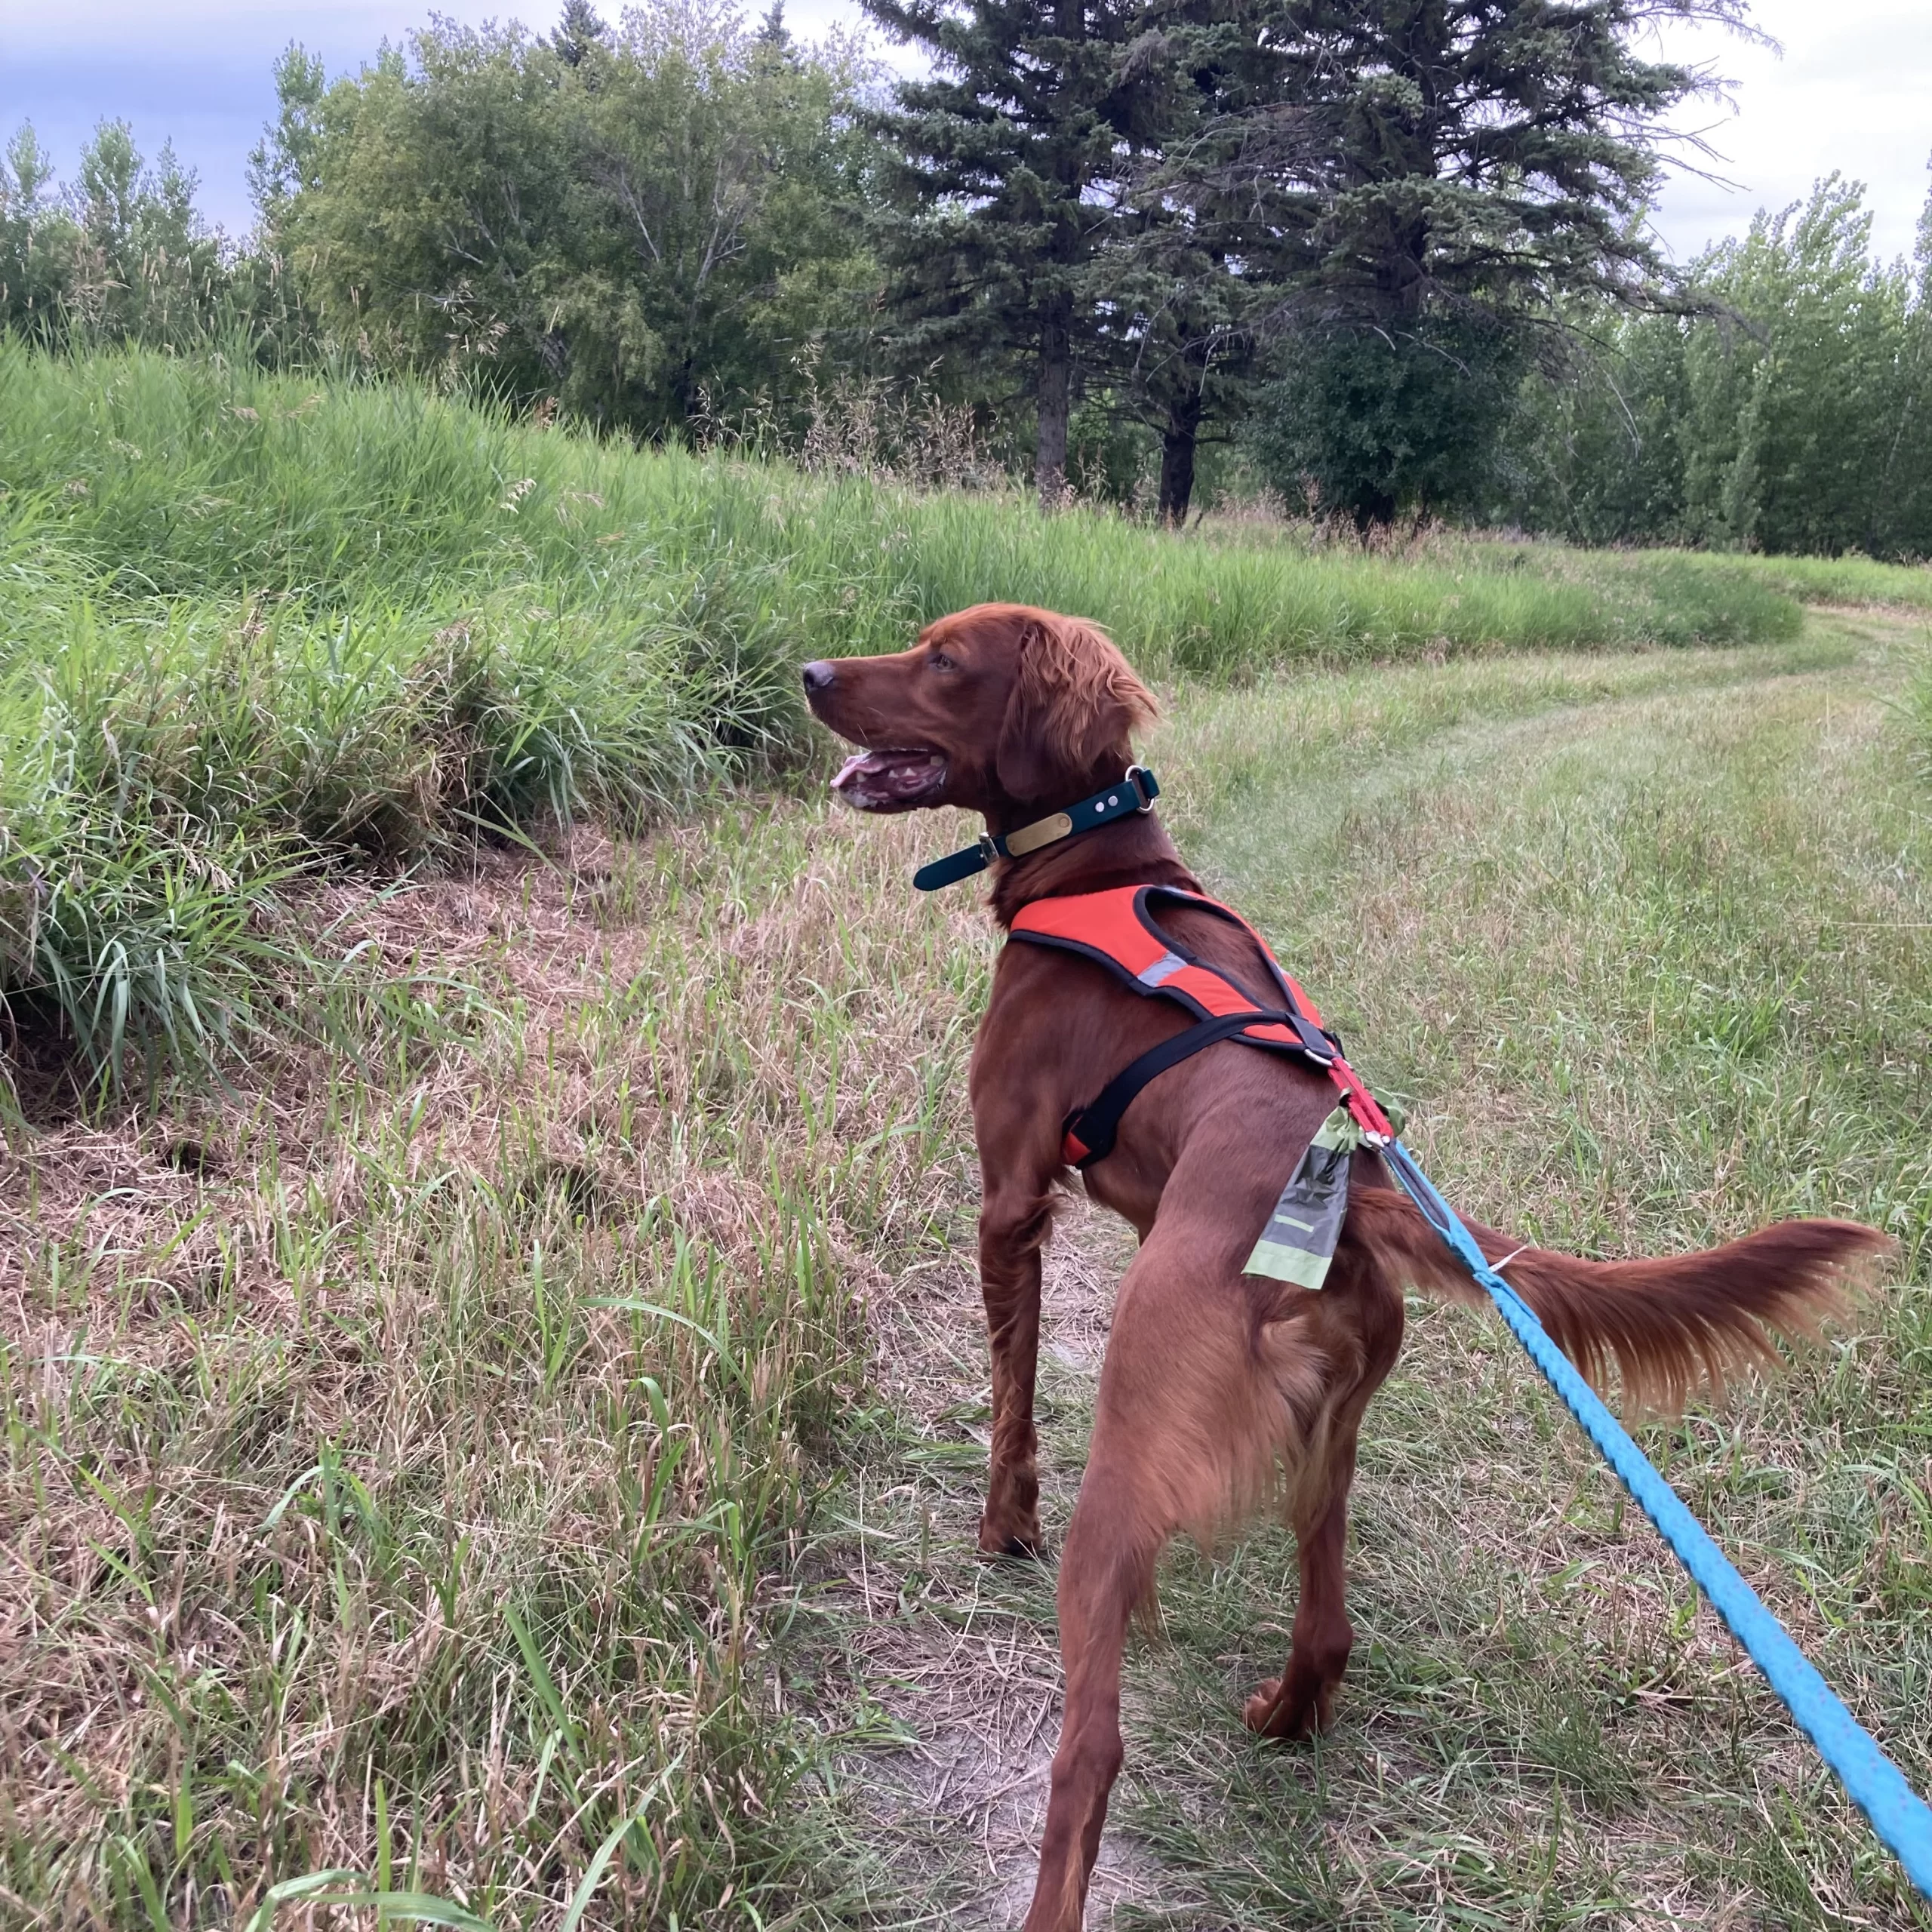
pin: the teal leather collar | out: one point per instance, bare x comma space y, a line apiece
1135, 792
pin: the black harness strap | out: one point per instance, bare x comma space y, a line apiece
1090, 1130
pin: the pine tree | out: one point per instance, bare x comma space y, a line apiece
1182, 312
579, 32
1423, 185
1005, 189
772, 32
1173, 339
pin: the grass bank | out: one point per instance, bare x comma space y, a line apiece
251, 625
1849, 580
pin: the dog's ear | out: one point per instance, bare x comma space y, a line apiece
1075, 700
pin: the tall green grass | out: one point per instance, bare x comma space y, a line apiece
1916, 702
193, 478
1849, 580
253, 624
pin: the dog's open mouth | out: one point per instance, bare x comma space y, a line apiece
894, 781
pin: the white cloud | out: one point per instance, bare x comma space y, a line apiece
1852, 91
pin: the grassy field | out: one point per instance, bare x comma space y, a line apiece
532, 1462
408, 1448
250, 625
504, 1446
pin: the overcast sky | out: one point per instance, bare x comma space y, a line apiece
1852, 91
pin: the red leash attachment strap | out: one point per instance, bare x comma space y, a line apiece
1361, 1104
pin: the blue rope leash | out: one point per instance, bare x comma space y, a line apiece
1898, 1814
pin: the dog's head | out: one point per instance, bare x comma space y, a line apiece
1002, 709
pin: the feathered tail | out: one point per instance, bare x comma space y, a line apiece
1668, 1324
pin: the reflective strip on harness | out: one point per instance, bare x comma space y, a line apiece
1118, 930
1163, 970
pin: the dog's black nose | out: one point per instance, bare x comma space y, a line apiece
818, 675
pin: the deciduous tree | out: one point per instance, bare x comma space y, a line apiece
628, 221
1795, 419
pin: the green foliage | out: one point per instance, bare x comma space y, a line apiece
1004, 191
1333, 234
1812, 436
1796, 423
1481, 151
1416, 193
36, 237
121, 256
1376, 423
650, 226
1130, 196
246, 624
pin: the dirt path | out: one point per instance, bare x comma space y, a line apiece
960, 1652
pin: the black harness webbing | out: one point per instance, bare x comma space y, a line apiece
1095, 1126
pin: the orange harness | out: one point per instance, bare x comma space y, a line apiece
1117, 929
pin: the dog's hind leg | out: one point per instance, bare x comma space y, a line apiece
1302, 1698
1189, 1418
1105, 1570
1361, 1317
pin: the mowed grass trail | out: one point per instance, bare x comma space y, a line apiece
1647, 942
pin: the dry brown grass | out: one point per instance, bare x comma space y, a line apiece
401, 1449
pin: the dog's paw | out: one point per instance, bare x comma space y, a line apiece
1262, 1711
1270, 1714
1022, 1544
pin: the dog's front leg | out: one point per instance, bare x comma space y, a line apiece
1016, 1215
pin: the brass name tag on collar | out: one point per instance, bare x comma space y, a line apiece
1041, 832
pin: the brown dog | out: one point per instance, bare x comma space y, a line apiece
1219, 1387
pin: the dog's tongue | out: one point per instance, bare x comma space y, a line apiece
893, 768
890, 778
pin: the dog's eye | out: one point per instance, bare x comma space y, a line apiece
940, 662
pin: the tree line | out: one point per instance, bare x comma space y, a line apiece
1387, 256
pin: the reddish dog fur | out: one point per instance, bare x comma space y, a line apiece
1219, 1389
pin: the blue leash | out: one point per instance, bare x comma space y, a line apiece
1898, 1814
